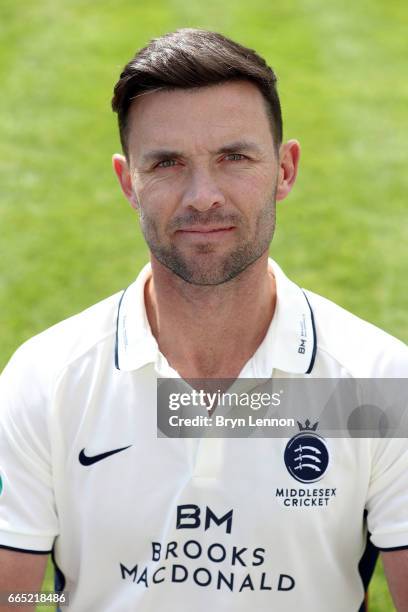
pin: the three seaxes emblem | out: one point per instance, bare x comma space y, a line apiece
306, 454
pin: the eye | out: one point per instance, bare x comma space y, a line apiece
235, 157
166, 163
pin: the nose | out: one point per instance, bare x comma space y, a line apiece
202, 191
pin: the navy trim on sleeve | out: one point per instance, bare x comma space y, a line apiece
394, 548
24, 550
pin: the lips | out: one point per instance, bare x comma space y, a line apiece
205, 230
205, 234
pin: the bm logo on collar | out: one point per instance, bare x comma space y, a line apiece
306, 454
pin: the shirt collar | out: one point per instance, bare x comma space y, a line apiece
289, 344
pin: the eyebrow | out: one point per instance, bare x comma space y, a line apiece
158, 154
238, 146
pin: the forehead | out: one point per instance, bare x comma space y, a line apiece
198, 118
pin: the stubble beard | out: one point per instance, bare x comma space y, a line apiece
204, 267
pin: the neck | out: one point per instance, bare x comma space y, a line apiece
210, 331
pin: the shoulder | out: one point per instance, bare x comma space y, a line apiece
353, 345
44, 356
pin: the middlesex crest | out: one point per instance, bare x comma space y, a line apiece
306, 454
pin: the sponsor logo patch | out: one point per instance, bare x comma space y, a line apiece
306, 454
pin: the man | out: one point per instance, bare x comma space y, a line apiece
139, 522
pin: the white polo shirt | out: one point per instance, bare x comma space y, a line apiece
137, 522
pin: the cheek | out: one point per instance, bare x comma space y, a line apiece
250, 191
158, 197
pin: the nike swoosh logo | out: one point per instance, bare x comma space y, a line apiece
86, 460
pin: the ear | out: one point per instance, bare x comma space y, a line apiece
121, 168
289, 154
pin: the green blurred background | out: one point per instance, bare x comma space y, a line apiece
68, 237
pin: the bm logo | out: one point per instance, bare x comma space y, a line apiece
189, 517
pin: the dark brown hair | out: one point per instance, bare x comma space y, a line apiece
190, 58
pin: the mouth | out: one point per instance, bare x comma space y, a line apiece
206, 231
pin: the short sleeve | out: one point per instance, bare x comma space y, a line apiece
387, 500
28, 517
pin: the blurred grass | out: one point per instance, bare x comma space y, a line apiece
68, 238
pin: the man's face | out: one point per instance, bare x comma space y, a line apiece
203, 173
